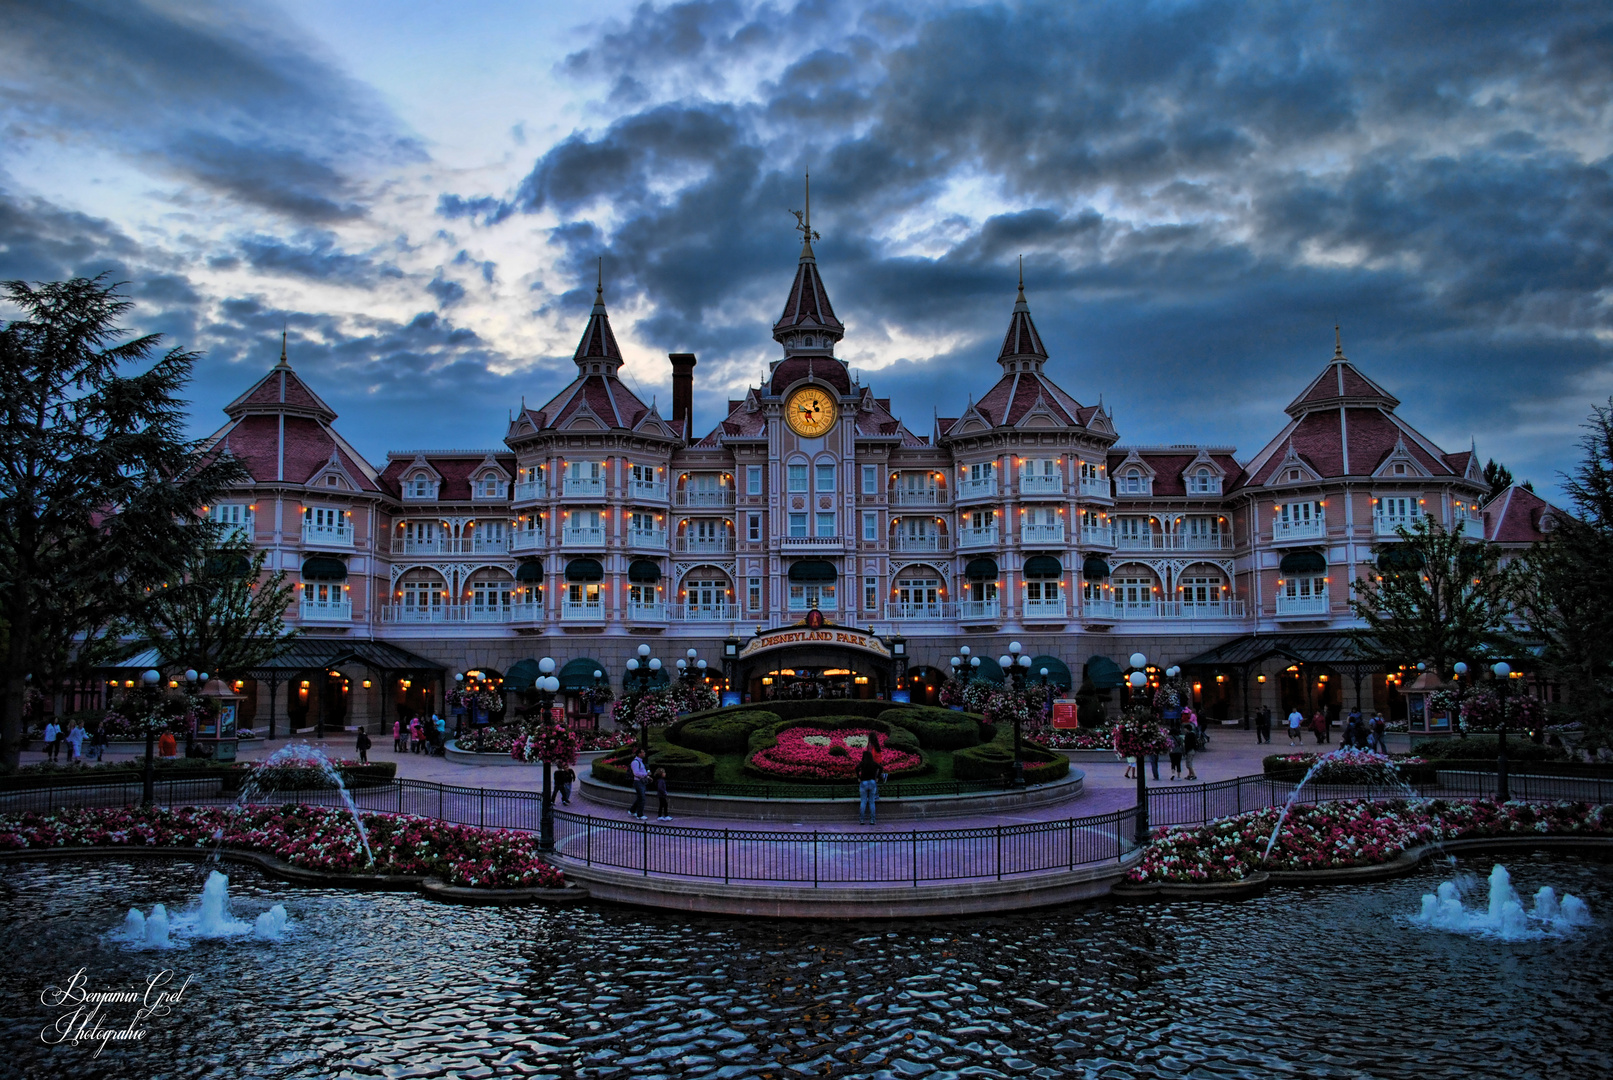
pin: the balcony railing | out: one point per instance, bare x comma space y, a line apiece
528, 490
918, 611
592, 536
647, 538
695, 497
1094, 487
528, 611
979, 609
977, 489
1155, 541
1041, 485
1042, 534
1045, 609
909, 497
646, 613
920, 544
647, 490
592, 487
582, 610
1301, 605
1386, 524
703, 612
435, 546
335, 535
1098, 535
1301, 529
703, 545
1161, 609
813, 543
485, 545
244, 530
974, 538
1147, 541
327, 610
527, 540
1211, 609
1098, 609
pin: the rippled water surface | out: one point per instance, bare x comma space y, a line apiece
1302, 983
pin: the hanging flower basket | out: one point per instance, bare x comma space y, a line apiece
1140, 735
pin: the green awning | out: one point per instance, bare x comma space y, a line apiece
584, 570
1043, 566
1400, 558
1303, 562
229, 564
643, 572
530, 571
1094, 569
322, 568
578, 674
1103, 673
812, 572
981, 569
1058, 672
521, 676
988, 670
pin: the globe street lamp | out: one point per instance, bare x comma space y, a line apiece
640, 671
547, 686
1007, 663
1138, 680
152, 695
1460, 669
1503, 674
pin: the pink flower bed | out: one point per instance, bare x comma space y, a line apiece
312, 837
809, 753
1091, 738
1354, 833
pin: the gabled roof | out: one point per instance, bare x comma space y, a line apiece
807, 305
1170, 465
1518, 516
1022, 338
598, 341
453, 468
281, 391
1340, 383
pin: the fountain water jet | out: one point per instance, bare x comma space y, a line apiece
1343, 755
1503, 916
301, 755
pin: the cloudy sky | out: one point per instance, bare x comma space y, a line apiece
418, 192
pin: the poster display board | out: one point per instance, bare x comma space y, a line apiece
1064, 713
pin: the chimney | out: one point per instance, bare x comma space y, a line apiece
683, 390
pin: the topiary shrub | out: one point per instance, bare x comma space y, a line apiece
995, 761
803, 710
936, 729
719, 732
893, 737
1484, 747
682, 765
988, 732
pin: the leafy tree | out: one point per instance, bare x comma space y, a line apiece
1567, 579
219, 614
96, 481
1498, 476
1436, 597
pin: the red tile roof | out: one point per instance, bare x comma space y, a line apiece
606, 396
281, 389
823, 368
456, 471
1515, 516
1016, 393
1340, 383
1170, 464
807, 305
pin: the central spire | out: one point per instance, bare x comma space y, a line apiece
808, 323
1022, 346
597, 352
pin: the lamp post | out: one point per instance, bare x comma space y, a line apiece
1503, 674
190, 729
1008, 664
1461, 725
149, 691
640, 670
1138, 680
547, 685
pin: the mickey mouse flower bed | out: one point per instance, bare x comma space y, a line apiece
809, 753
314, 838
1337, 835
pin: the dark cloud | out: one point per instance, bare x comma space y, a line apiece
447, 292
316, 255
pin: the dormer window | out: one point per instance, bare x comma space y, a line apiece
419, 487
488, 487
1203, 481
1131, 482
1400, 469
331, 481
1295, 476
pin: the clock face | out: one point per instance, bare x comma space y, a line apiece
810, 411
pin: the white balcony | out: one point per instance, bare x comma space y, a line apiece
702, 612
918, 545
415, 615
979, 609
647, 490
1211, 609
1311, 529
583, 536
1215, 541
647, 538
488, 545
703, 545
1045, 609
1094, 487
527, 540
587, 487
906, 497
646, 613
1098, 536
245, 530
813, 543
977, 489
327, 611
529, 490
328, 535
1042, 534
721, 498
486, 613
435, 546
1146, 541
529, 611
918, 611
1301, 606
1098, 610
582, 610
978, 538
1386, 524
1110, 610
1041, 485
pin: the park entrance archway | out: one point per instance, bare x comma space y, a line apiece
815, 659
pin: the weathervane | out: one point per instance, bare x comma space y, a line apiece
803, 218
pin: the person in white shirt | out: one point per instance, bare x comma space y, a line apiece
53, 735
75, 739
641, 780
1295, 719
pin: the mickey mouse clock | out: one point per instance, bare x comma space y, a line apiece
810, 411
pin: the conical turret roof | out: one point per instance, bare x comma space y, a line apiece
598, 344
807, 306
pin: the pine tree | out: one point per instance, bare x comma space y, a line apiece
1498, 476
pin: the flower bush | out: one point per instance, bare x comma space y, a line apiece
489, 701
1139, 734
546, 741
315, 838
1348, 765
1005, 705
1353, 833
971, 694
1085, 738
696, 696
655, 709
808, 753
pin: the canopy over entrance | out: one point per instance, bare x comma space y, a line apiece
819, 657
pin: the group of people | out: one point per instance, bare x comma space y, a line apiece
1358, 732
1186, 740
641, 784
59, 738
422, 736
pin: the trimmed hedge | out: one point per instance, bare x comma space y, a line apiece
937, 729
722, 732
889, 735
1290, 772
682, 765
1484, 747
123, 772
995, 761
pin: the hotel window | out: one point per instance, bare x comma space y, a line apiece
1134, 591
1203, 481
870, 479
642, 474
641, 596
870, 593
1091, 590
871, 528
1201, 532
826, 478
805, 597
1043, 590
422, 595
322, 517
983, 470
490, 595
582, 592
798, 478
234, 517
1089, 471
980, 592
798, 525
488, 487
1304, 588
918, 592
753, 527
584, 470
418, 488
1134, 532
753, 479
1042, 467
826, 524
706, 595
1202, 590
980, 520
1132, 482
753, 593
1300, 514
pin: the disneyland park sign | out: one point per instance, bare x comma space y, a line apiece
833, 636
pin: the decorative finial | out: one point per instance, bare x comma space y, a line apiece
1022, 273
283, 362
1338, 343
599, 288
803, 221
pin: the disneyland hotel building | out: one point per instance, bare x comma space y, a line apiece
600, 525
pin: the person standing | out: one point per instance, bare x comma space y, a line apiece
1176, 753
867, 788
441, 727
1190, 746
1380, 731
1295, 720
364, 745
641, 779
53, 737
98, 740
564, 777
663, 812
397, 736
75, 740
1319, 727
1263, 724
